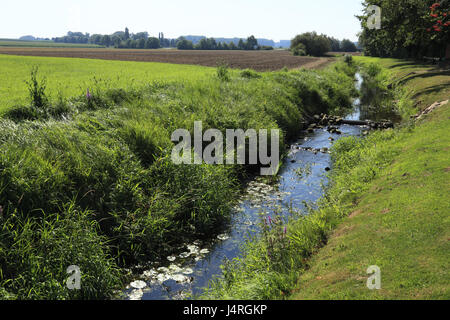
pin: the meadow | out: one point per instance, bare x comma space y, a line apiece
88, 179
43, 44
68, 77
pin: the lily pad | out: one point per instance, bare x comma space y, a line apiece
139, 284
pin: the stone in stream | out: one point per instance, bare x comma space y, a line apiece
327, 169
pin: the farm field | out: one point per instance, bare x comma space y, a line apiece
257, 60
71, 76
43, 44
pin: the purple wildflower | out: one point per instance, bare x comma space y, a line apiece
88, 94
270, 220
285, 230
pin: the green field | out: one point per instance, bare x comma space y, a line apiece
44, 44
72, 76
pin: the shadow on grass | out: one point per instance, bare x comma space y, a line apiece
410, 64
425, 75
432, 89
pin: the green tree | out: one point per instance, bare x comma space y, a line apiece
348, 46
315, 45
152, 43
183, 44
140, 44
406, 29
241, 44
106, 40
251, 44
126, 35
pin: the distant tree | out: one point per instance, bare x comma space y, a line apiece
119, 34
183, 44
251, 44
106, 40
140, 35
315, 45
115, 40
152, 43
335, 44
140, 44
96, 39
241, 44
348, 46
130, 43
126, 35
232, 46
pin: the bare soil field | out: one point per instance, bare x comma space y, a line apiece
257, 60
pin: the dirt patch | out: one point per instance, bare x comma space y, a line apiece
430, 109
447, 169
342, 231
257, 60
355, 213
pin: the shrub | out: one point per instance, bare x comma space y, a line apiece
222, 72
36, 90
299, 50
250, 74
315, 45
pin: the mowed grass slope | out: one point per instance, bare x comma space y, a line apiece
399, 220
425, 83
72, 76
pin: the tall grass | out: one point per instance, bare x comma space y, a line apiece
104, 157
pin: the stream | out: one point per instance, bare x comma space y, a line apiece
301, 181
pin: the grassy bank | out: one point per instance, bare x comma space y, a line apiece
88, 181
387, 205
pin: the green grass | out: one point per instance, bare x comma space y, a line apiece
106, 159
393, 185
44, 44
70, 77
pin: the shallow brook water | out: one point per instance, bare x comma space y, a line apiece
187, 273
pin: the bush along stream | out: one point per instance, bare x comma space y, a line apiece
89, 181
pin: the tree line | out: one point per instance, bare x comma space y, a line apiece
119, 39
142, 40
409, 28
211, 44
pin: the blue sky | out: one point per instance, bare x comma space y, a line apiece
272, 19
